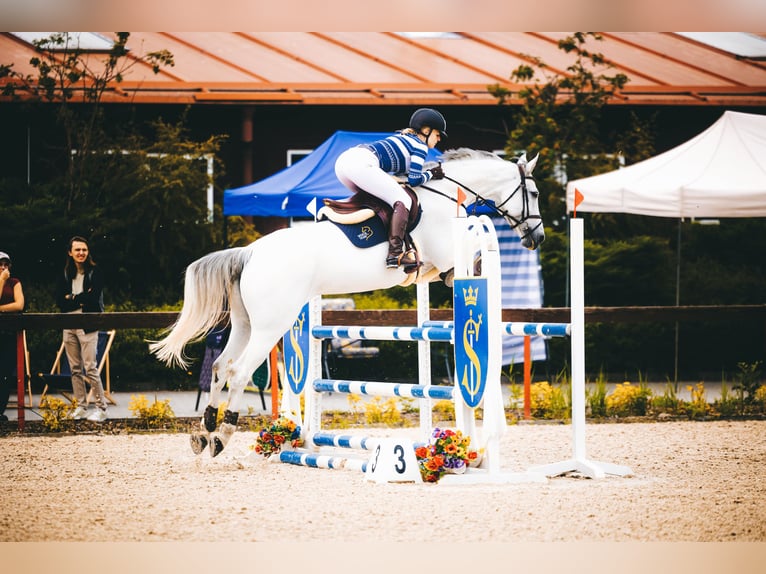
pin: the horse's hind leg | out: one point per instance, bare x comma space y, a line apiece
238, 337
240, 374
200, 438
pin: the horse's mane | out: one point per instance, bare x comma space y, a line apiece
467, 153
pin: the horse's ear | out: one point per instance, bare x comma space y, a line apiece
523, 159
532, 164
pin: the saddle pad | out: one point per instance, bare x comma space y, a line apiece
365, 234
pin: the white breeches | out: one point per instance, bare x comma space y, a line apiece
358, 168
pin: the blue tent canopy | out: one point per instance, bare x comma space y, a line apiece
289, 191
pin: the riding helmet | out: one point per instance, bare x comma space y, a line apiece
426, 117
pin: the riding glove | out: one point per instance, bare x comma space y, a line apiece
437, 172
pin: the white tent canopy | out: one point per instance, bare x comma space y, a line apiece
719, 173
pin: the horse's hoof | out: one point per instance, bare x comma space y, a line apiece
216, 446
198, 443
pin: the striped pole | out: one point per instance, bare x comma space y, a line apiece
385, 389
383, 333
313, 460
518, 328
343, 441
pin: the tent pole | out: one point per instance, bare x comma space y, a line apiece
678, 301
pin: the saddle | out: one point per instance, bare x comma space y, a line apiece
365, 219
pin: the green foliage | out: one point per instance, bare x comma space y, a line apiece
668, 402
595, 397
560, 118
748, 380
395, 298
638, 272
66, 75
136, 191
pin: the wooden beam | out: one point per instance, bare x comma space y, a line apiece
394, 317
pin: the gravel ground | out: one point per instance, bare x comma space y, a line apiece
691, 482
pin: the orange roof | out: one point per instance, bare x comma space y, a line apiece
381, 68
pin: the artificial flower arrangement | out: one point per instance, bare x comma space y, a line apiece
446, 451
279, 433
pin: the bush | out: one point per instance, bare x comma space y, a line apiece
627, 400
668, 402
548, 402
596, 398
154, 415
698, 407
55, 413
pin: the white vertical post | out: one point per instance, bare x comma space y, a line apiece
461, 239
577, 274
313, 404
470, 235
424, 360
578, 462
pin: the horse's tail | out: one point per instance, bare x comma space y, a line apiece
208, 287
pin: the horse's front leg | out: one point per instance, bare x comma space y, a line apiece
219, 440
201, 438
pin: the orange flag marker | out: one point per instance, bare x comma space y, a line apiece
577, 201
460, 199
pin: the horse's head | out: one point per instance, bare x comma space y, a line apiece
529, 224
510, 186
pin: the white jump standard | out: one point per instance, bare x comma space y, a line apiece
477, 236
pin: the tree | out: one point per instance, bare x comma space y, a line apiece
136, 191
561, 119
67, 74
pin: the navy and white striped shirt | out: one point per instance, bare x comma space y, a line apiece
403, 153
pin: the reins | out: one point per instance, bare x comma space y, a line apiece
498, 209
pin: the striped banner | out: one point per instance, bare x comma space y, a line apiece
522, 287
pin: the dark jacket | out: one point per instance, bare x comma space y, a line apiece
91, 300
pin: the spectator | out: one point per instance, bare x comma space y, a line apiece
11, 301
80, 289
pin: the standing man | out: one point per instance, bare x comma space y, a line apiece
80, 289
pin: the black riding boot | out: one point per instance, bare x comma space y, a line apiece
397, 229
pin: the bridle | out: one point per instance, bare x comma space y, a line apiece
498, 208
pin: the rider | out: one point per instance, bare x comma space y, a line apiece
367, 167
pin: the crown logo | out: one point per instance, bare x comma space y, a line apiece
471, 296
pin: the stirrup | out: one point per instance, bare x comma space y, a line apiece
407, 259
